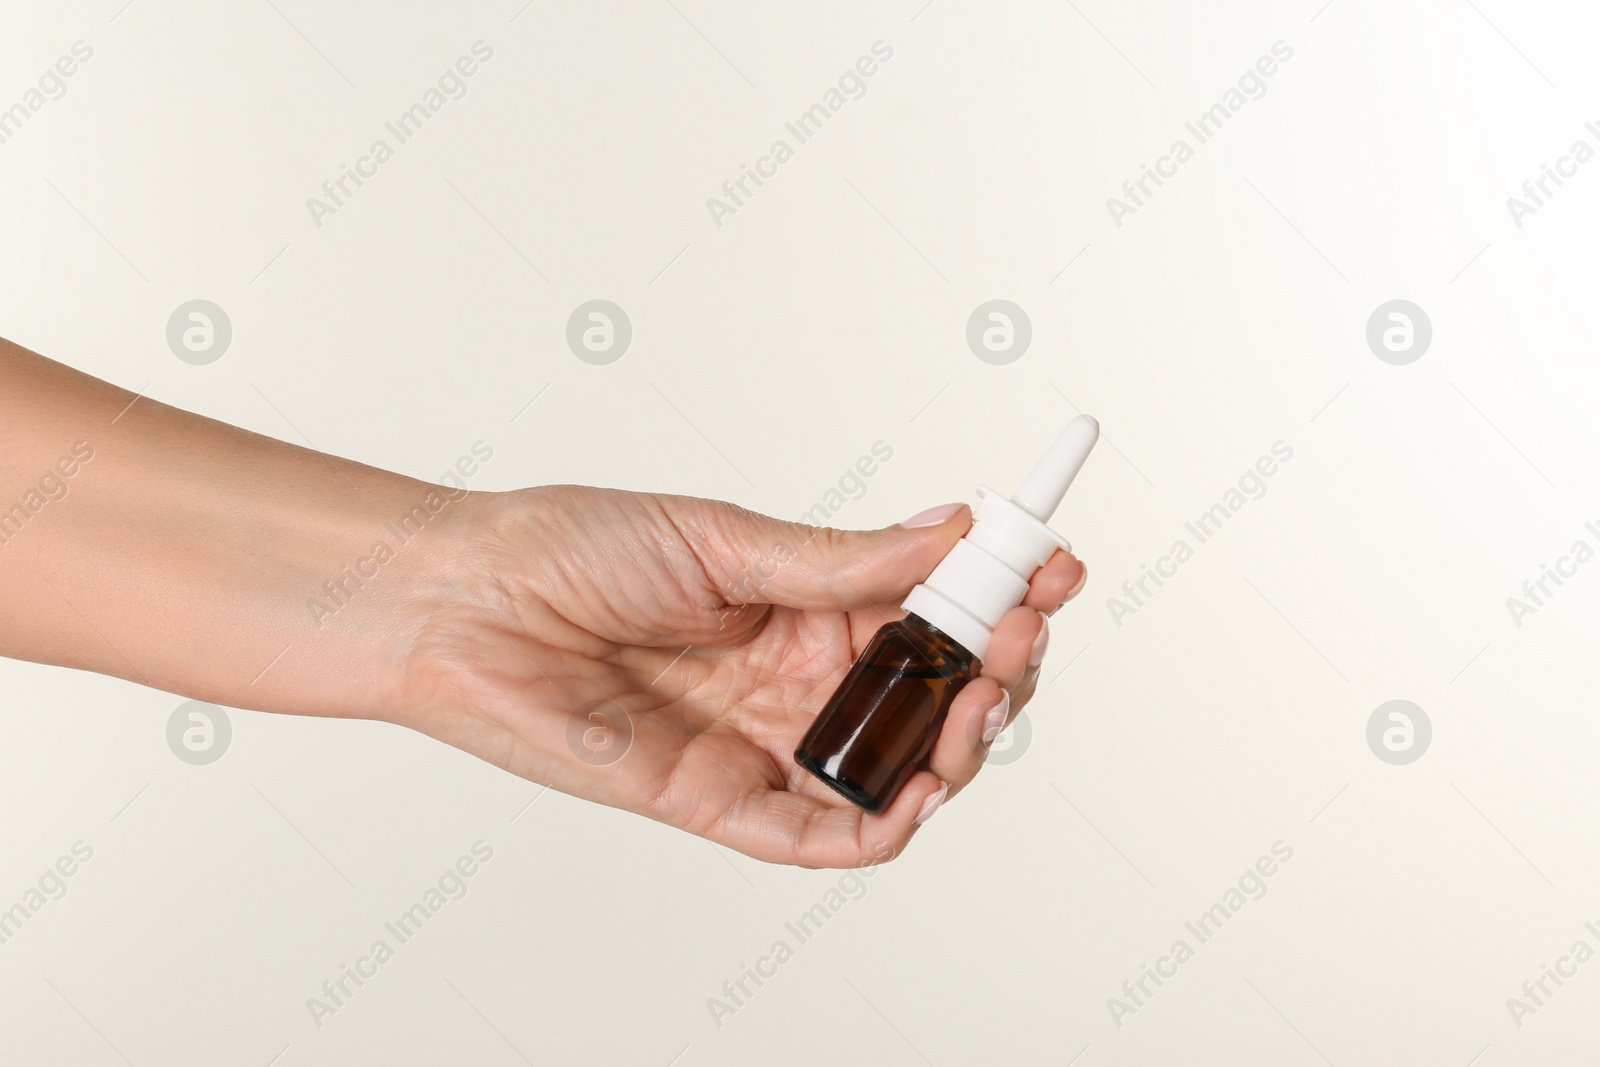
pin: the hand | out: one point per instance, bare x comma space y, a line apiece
660, 654
665, 654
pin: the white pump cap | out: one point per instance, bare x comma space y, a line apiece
986, 574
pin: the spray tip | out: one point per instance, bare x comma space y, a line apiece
1041, 491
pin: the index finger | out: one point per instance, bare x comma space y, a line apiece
1057, 581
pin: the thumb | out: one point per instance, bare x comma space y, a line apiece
756, 559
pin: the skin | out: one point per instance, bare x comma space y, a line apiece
660, 654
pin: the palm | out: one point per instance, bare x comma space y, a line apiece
613, 660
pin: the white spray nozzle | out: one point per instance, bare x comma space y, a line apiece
986, 573
1041, 491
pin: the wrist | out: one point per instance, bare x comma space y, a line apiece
457, 617
358, 608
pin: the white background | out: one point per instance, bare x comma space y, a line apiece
829, 313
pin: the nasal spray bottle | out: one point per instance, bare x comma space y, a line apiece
881, 723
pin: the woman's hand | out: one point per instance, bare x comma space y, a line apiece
659, 654
665, 654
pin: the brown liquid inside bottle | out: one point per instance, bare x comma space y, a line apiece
881, 723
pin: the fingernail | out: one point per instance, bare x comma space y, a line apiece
994, 720
931, 517
1083, 579
931, 805
1040, 643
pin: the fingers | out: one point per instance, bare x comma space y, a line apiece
783, 827
1059, 580
807, 567
1011, 647
754, 559
984, 707
988, 704
975, 719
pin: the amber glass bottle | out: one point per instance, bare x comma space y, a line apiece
881, 723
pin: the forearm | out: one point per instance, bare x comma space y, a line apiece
153, 544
